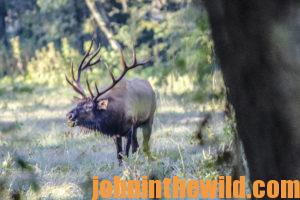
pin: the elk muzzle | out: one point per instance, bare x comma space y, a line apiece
71, 118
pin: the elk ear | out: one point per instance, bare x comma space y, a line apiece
102, 104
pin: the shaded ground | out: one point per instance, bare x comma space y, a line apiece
63, 160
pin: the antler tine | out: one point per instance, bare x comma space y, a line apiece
126, 68
123, 62
110, 73
92, 56
88, 62
95, 62
134, 57
86, 55
72, 71
75, 87
76, 82
97, 88
89, 88
135, 63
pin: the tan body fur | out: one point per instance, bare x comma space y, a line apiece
135, 98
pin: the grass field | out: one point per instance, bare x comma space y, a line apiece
41, 158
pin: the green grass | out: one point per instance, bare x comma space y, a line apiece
63, 160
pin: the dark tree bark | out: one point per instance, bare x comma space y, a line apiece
257, 43
4, 45
3, 13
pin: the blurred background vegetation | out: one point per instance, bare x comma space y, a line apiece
40, 38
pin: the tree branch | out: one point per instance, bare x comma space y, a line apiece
101, 23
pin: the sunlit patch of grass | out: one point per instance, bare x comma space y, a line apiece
63, 168
51, 139
7, 161
60, 191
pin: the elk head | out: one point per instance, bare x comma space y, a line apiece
91, 108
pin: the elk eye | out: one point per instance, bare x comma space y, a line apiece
88, 107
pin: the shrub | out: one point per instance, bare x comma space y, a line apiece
47, 66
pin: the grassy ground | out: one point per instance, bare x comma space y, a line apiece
40, 157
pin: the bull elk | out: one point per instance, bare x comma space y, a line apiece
117, 110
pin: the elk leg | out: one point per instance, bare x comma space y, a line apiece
147, 129
118, 142
146, 138
128, 141
135, 144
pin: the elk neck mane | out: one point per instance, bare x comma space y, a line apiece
108, 122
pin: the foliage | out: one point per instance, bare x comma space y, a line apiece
47, 62
51, 34
49, 5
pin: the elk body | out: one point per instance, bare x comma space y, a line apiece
117, 110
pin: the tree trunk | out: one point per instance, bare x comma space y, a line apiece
3, 38
4, 45
257, 43
101, 23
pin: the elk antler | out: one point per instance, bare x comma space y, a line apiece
86, 63
126, 68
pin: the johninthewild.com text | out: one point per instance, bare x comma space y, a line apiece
175, 187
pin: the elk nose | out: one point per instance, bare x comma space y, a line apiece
71, 116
